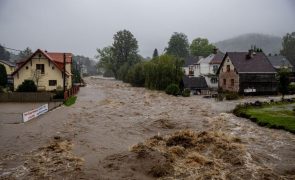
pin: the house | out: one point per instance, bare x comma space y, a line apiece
46, 69
10, 68
207, 68
247, 72
279, 61
190, 65
197, 85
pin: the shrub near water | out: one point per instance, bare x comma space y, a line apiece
27, 86
186, 92
172, 89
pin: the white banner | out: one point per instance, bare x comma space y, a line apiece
35, 112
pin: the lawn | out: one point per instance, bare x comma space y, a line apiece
70, 101
279, 116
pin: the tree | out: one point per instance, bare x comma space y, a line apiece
283, 81
3, 76
36, 76
201, 47
289, 47
124, 49
25, 53
155, 54
106, 59
178, 45
4, 55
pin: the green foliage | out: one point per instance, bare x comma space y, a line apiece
70, 101
123, 72
27, 86
273, 115
162, 71
155, 54
136, 75
25, 53
186, 92
4, 55
291, 88
289, 47
178, 45
201, 47
172, 89
123, 52
106, 60
3, 76
231, 96
284, 81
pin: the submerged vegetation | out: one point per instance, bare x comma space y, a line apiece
278, 115
70, 101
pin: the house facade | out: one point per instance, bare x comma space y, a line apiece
208, 67
190, 65
247, 72
46, 69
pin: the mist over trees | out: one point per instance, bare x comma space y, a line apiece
4, 55
269, 44
289, 47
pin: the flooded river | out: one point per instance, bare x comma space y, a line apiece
92, 139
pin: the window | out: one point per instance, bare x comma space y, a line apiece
40, 67
215, 69
27, 67
224, 82
232, 82
214, 80
52, 82
191, 70
228, 68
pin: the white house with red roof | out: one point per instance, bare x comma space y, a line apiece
46, 69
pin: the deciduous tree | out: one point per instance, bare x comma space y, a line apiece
178, 45
201, 47
289, 47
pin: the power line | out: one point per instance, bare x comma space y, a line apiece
11, 49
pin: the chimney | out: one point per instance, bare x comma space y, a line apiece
250, 54
215, 50
45, 50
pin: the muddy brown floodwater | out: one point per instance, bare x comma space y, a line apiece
115, 131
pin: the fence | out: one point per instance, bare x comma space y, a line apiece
26, 97
71, 92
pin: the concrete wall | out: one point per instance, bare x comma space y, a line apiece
228, 76
51, 72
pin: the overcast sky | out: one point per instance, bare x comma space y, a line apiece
81, 26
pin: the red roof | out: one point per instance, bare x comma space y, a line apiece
56, 58
59, 57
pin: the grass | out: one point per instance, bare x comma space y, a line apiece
278, 116
70, 101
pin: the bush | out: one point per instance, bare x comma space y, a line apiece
172, 89
58, 95
27, 86
3, 76
136, 76
291, 88
186, 92
231, 96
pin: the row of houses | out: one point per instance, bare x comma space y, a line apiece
49, 70
241, 72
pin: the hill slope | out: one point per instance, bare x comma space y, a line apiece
268, 43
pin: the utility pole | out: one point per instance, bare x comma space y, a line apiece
64, 73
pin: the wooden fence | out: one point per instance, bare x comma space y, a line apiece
71, 92
27, 97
